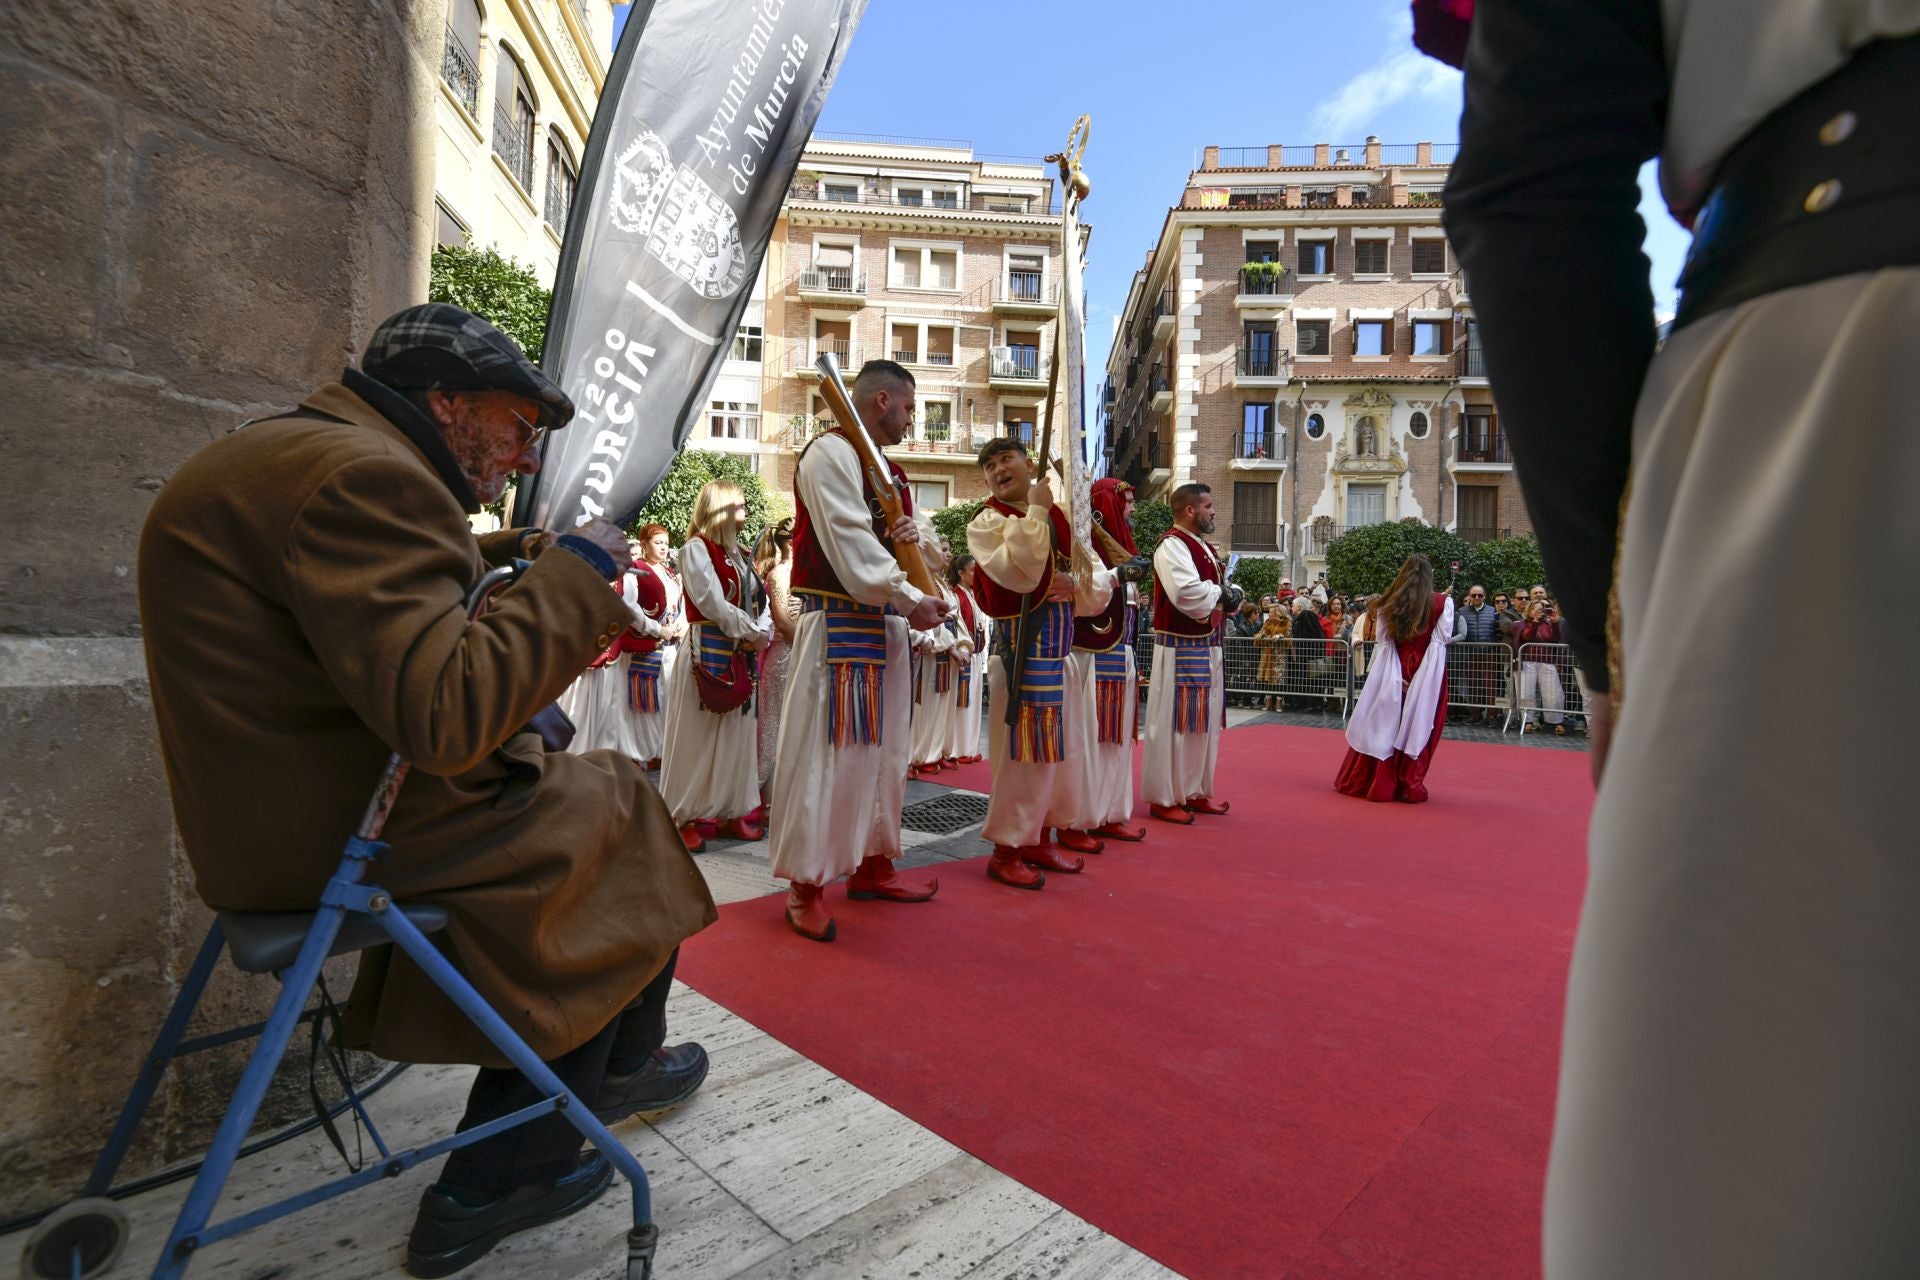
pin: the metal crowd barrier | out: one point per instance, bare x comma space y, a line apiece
1545, 686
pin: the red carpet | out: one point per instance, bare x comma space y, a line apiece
1316, 1037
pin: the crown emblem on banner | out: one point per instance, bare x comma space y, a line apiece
689, 229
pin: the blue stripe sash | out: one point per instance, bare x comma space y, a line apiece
857, 658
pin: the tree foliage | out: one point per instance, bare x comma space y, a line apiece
951, 524
1500, 564
1364, 560
494, 287
1258, 576
672, 501
1151, 520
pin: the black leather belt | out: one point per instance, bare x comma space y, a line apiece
1828, 185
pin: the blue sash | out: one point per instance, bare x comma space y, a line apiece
1038, 735
857, 657
1192, 679
643, 682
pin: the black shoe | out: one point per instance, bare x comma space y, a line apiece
670, 1076
450, 1234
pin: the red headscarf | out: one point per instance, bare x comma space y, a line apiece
1440, 29
1110, 510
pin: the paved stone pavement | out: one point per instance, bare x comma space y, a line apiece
777, 1168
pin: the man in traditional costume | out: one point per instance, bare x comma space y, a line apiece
1186, 705
709, 768
651, 661
845, 736
302, 589
970, 678
1742, 1031
1102, 679
1023, 546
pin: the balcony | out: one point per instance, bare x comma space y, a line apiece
1159, 458
1470, 365
802, 427
930, 202
1258, 535
1159, 388
934, 438
514, 146
1318, 537
1473, 533
1016, 367
1480, 449
804, 355
1261, 366
1260, 450
1264, 285
843, 285
461, 73
1165, 315
1025, 293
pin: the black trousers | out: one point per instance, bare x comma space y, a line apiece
549, 1147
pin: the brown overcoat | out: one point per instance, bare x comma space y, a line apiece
301, 597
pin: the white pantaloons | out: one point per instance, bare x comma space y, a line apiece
1178, 767
709, 764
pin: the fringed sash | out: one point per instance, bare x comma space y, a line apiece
1110, 694
643, 683
1192, 679
1038, 735
943, 674
713, 650
857, 657
966, 685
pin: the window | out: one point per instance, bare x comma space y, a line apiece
1479, 512
1026, 277
733, 420
1417, 425
562, 180
1429, 256
459, 64
832, 270
1373, 337
1316, 426
513, 115
929, 495
1006, 203
1314, 337
1430, 337
1018, 423
840, 192
1316, 257
748, 341
1256, 515
453, 232
1316, 197
1256, 431
1263, 251
1366, 504
1370, 257
1480, 438
921, 267
939, 348
1259, 350
936, 422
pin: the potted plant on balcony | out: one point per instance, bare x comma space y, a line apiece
806, 185
1263, 277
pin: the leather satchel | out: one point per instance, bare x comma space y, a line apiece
723, 695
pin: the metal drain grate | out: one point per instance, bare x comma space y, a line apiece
944, 814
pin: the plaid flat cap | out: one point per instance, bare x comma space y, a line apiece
439, 345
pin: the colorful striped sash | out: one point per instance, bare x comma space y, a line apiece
1192, 679
643, 682
857, 657
1110, 694
1038, 735
965, 697
713, 650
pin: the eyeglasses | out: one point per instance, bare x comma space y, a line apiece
535, 434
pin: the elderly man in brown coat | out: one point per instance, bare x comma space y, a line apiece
301, 590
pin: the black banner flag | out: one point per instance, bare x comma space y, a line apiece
698, 133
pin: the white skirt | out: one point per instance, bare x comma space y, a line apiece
708, 766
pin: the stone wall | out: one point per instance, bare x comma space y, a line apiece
208, 205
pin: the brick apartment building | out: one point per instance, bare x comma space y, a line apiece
1301, 340
915, 251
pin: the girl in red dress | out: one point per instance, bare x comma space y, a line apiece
1396, 722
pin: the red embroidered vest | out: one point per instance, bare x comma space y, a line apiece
1165, 616
1108, 628
653, 602
1001, 603
729, 574
969, 619
812, 571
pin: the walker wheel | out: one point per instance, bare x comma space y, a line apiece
79, 1240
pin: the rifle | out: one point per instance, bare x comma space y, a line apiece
879, 478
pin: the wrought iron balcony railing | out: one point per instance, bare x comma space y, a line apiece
832, 280
461, 73
513, 145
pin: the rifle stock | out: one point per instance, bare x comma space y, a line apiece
834, 392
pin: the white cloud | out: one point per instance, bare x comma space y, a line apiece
1399, 74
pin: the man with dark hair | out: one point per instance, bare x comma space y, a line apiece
840, 776
1023, 545
1186, 705
302, 587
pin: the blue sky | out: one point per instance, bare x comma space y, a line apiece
1012, 77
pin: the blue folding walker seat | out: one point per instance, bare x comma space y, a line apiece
84, 1237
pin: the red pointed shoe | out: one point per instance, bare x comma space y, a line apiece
740, 829
1120, 831
1006, 867
690, 836
807, 912
924, 771
1171, 813
876, 878
1078, 841
1048, 858
1207, 804
951, 762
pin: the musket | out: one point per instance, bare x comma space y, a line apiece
1074, 188
879, 478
